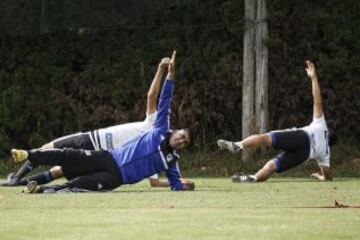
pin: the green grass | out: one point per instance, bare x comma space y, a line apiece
283, 208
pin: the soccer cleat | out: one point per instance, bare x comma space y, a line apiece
32, 187
10, 177
19, 155
243, 178
231, 146
10, 181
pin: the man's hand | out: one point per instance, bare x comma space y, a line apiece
171, 67
326, 174
318, 176
310, 69
164, 63
188, 185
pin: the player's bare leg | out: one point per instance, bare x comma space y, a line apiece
253, 141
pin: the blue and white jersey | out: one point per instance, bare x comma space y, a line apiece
144, 156
113, 137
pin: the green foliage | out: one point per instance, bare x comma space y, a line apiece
65, 80
324, 31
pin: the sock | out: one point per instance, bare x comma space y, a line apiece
40, 178
23, 170
255, 178
239, 144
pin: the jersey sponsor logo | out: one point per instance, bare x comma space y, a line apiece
109, 141
169, 157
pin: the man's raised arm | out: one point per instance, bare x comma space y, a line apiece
317, 105
162, 118
155, 86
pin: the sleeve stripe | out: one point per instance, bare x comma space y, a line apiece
178, 168
93, 140
163, 158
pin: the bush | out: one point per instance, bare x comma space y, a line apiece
65, 81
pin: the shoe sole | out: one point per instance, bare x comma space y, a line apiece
9, 184
30, 187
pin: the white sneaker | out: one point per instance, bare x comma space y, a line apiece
231, 146
243, 178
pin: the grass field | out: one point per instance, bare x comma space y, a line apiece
283, 208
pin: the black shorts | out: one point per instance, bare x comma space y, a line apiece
75, 141
97, 181
82, 162
86, 169
296, 147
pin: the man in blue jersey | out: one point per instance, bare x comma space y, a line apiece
105, 138
152, 152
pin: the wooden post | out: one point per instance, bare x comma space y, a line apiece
248, 72
261, 52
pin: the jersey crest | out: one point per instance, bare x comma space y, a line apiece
109, 141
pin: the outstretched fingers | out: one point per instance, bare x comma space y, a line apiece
173, 56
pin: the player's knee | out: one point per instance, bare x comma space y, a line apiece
270, 166
56, 172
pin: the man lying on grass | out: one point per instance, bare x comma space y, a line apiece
299, 145
104, 138
150, 153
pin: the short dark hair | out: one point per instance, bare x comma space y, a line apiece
189, 132
194, 130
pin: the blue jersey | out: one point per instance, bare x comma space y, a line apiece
144, 156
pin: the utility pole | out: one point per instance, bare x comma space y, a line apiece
248, 72
255, 71
261, 56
